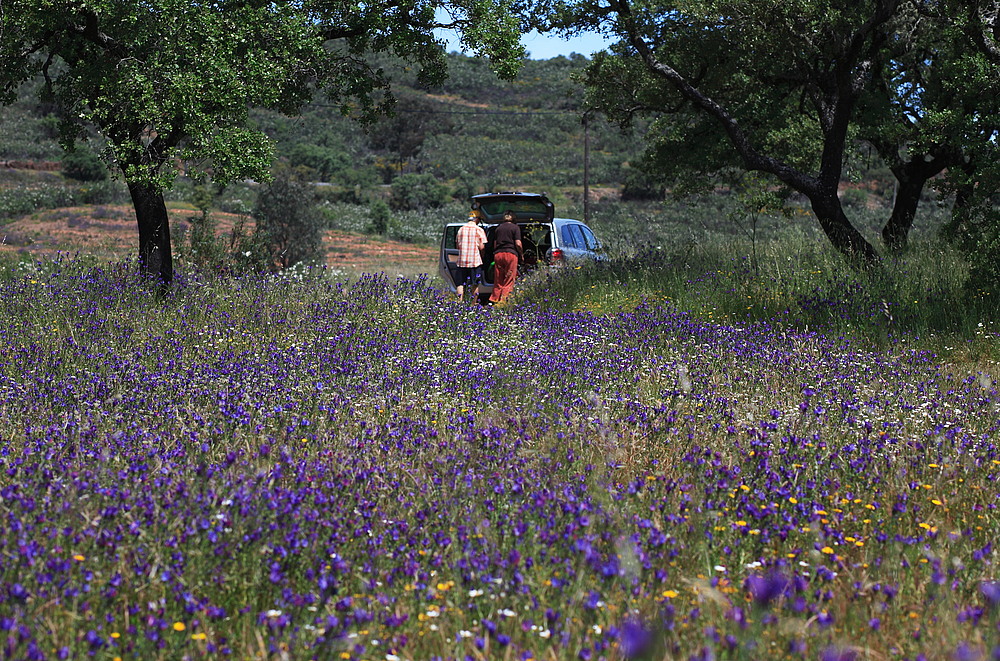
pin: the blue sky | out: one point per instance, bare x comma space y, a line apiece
546, 46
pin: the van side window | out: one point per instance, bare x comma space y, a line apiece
588, 236
569, 237
451, 237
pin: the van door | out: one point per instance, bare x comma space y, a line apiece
448, 263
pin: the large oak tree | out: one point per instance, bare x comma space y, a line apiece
788, 88
168, 84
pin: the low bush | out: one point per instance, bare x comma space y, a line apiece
417, 192
21, 201
84, 165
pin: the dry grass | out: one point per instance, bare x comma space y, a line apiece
109, 232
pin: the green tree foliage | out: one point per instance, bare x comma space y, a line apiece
933, 104
981, 240
415, 192
380, 215
289, 225
402, 132
325, 162
785, 89
171, 81
84, 165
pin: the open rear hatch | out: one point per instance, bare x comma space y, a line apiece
527, 207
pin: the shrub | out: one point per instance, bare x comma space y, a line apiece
416, 192
642, 186
237, 198
324, 161
982, 245
84, 165
21, 201
380, 216
854, 198
288, 220
103, 192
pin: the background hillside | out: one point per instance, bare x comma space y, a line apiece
473, 129
471, 134
474, 132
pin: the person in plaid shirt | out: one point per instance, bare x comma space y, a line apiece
471, 240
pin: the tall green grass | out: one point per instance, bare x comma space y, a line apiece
923, 297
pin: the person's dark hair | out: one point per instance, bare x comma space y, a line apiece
509, 215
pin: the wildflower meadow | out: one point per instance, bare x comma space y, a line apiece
301, 467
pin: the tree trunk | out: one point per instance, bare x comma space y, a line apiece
842, 234
895, 233
155, 255
912, 176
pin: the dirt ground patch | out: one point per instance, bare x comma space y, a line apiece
109, 232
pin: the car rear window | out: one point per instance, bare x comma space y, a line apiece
523, 208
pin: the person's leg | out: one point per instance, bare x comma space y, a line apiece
477, 279
463, 278
503, 283
509, 276
498, 270
499, 267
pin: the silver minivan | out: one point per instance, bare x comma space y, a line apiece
547, 240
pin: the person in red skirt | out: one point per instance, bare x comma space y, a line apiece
507, 252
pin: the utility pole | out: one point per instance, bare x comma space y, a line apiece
586, 167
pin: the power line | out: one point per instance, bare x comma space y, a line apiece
466, 112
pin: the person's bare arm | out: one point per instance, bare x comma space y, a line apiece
520, 248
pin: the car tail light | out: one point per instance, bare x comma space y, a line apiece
555, 255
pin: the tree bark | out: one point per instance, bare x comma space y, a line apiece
912, 177
155, 256
839, 230
895, 233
